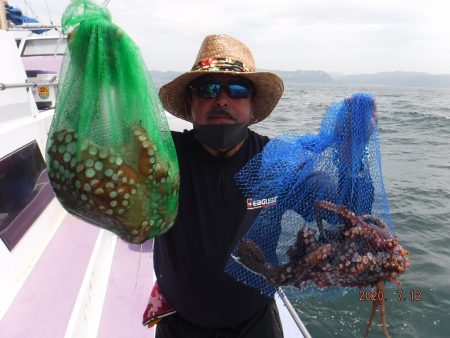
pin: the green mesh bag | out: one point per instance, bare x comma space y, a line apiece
110, 155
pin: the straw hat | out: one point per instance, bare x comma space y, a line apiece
224, 54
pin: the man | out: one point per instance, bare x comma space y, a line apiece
222, 95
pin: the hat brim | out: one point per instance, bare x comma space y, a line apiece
268, 90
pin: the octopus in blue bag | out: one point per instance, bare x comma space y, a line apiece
360, 252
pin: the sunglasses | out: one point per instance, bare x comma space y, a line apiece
212, 90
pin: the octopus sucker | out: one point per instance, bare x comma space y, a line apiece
103, 154
113, 189
160, 172
362, 252
92, 150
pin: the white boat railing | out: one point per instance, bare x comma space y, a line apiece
30, 26
293, 313
4, 86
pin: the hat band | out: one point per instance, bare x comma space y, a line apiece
217, 64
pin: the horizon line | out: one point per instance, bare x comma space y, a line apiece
324, 71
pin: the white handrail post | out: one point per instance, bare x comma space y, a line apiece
294, 314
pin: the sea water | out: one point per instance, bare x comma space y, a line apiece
414, 129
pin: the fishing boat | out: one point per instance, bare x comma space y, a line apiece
61, 277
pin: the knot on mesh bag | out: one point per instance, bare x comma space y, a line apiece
110, 155
330, 226
81, 10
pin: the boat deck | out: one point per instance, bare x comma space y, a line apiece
59, 294
50, 303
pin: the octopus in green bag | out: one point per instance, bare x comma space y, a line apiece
110, 156
100, 187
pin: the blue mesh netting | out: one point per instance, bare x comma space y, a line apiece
308, 189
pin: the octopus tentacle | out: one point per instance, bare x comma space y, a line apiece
250, 255
112, 191
375, 304
374, 220
360, 252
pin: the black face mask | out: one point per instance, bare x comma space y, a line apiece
221, 136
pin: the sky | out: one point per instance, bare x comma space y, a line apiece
336, 36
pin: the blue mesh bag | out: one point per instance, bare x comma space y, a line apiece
324, 223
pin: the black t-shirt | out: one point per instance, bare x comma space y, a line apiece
190, 259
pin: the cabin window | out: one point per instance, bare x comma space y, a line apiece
25, 192
44, 47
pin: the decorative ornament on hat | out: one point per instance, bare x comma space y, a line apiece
217, 64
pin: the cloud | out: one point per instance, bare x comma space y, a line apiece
349, 36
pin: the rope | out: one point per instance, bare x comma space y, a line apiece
48, 12
31, 9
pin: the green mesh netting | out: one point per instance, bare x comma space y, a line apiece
110, 154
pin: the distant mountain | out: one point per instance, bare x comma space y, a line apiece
399, 79
298, 76
305, 76
160, 78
